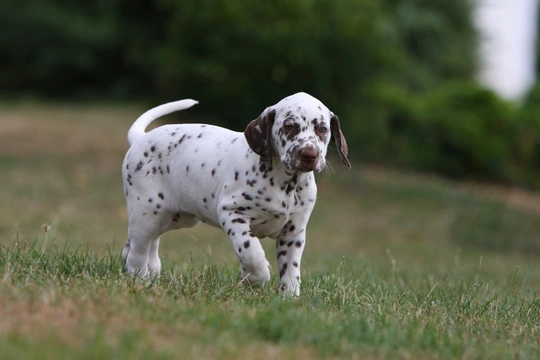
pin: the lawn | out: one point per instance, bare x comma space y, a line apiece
397, 265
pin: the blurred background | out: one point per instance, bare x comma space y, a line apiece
446, 88
438, 86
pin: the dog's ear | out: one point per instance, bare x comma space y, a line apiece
341, 143
258, 134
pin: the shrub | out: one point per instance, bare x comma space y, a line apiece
525, 134
466, 127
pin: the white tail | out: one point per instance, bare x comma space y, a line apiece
139, 126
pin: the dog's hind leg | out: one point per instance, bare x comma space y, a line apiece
141, 251
154, 263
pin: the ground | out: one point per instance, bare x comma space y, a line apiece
397, 265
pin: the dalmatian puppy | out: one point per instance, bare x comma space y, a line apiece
255, 184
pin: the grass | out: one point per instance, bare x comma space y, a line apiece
397, 265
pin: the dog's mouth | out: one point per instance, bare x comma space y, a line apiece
304, 166
304, 160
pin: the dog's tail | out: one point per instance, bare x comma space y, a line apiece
139, 126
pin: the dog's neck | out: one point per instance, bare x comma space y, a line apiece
289, 180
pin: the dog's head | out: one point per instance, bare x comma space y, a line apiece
297, 130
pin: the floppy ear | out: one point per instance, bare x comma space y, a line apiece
341, 143
258, 134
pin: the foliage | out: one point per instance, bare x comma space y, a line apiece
525, 130
398, 72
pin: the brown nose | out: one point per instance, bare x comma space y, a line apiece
309, 154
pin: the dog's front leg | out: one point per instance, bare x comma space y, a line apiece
248, 249
289, 248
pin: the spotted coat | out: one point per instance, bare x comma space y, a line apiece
255, 184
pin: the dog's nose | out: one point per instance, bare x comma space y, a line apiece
309, 154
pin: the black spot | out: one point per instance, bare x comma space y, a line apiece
295, 263
204, 200
168, 170
239, 249
139, 166
239, 220
289, 244
213, 172
146, 154
199, 136
246, 244
202, 165
292, 228
268, 199
160, 195
241, 208
187, 169
182, 139
236, 176
153, 148
281, 242
282, 253
247, 196
298, 244
150, 200
283, 269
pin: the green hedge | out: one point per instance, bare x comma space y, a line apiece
397, 72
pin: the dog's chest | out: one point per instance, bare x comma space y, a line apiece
270, 208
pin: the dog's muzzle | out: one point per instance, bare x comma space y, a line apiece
307, 158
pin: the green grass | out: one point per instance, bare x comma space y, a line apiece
397, 265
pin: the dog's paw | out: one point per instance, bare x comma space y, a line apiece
289, 288
257, 275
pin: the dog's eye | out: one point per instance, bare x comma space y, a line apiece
322, 129
288, 126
